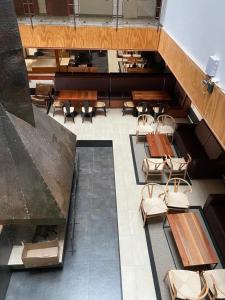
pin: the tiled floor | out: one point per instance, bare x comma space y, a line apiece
92, 271
137, 282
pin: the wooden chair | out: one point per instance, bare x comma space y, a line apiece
177, 166
185, 284
86, 111
151, 204
57, 105
128, 106
216, 282
166, 125
100, 105
153, 167
175, 194
145, 124
41, 94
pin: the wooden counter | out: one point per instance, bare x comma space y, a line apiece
77, 95
160, 96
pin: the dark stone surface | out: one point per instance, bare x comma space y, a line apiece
14, 89
36, 169
92, 272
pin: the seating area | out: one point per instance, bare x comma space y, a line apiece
171, 204
171, 152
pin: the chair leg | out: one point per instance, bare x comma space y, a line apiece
82, 119
123, 111
64, 119
144, 219
53, 113
104, 110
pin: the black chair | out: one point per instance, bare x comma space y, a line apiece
157, 109
50, 101
142, 108
68, 111
86, 111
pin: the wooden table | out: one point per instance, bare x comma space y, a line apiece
159, 145
77, 95
191, 240
159, 96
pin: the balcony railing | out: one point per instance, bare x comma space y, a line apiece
114, 13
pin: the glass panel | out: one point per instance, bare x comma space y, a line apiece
85, 12
96, 11
139, 12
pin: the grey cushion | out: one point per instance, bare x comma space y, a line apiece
202, 132
213, 148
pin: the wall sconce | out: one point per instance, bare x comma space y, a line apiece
211, 69
208, 84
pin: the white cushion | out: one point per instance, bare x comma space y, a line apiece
129, 104
153, 164
144, 129
187, 283
156, 109
219, 278
71, 109
165, 129
89, 109
140, 109
100, 104
177, 199
154, 206
57, 104
176, 163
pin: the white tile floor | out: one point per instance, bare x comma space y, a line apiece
137, 282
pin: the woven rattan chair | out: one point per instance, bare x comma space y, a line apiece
175, 193
216, 282
166, 125
128, 106
100, 105
152, 205
145, 124
185, 284
177, 166
153, 167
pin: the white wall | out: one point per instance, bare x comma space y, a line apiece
198, 26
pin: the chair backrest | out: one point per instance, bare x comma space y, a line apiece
177, 183
144, 106
166, 120
86, 106
67, 106
160, 107
180, 166
153, 165
148, 189
145, 119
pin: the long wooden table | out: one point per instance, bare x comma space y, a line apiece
191, 240
159, 96
159, 145
77, 95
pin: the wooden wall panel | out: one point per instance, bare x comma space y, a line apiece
45, 36
210, 106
